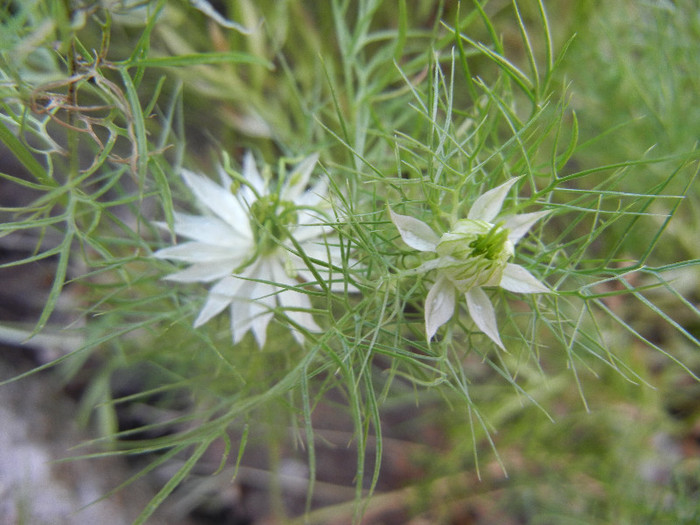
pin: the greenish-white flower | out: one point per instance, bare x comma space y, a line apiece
250, 242
474, 253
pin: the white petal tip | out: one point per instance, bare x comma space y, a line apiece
484, 316
415, 232
517, 279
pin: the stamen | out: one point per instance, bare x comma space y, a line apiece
491, 243
270, 221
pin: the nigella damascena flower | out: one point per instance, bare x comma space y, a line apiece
473, 254
251, 243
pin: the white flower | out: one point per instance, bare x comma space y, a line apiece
245, 245
473, 254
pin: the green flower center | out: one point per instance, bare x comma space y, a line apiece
479, 251
270, 222
490, 244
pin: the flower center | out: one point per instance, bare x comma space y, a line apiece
476, 253
270, 221
490, 244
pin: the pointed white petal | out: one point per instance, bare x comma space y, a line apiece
295, 302
334, 280
196, 252
486, 207
318, 249
214, 305
329, 253
206, 229
275, 271
279, 275
258, 325
219, 200
310, 218
517, 279
296, 182
432, 264
296, 306
337, 284
314, 195
519, 225
252, 175
203, 272
262, 311
439, 306
304, 233
304, 319
220, 296
298, 336
243, 308
483, 314
415, 232
240, 319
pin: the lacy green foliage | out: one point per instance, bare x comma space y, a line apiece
419, 109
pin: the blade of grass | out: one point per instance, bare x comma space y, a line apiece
174, 481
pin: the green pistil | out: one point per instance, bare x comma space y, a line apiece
270, 221
490, 244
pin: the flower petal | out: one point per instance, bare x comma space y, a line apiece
323, 250
415, 232
295, 183
517, 279
262, 310
197, 252
519, 225
295, 305
253, 306
314, 195
206, 229
220, 296
432, 264
305, 232
252, 175
439, 306
219, 200
331, 270
203, 272
487, 206
214, 305
483, 314
241, 319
